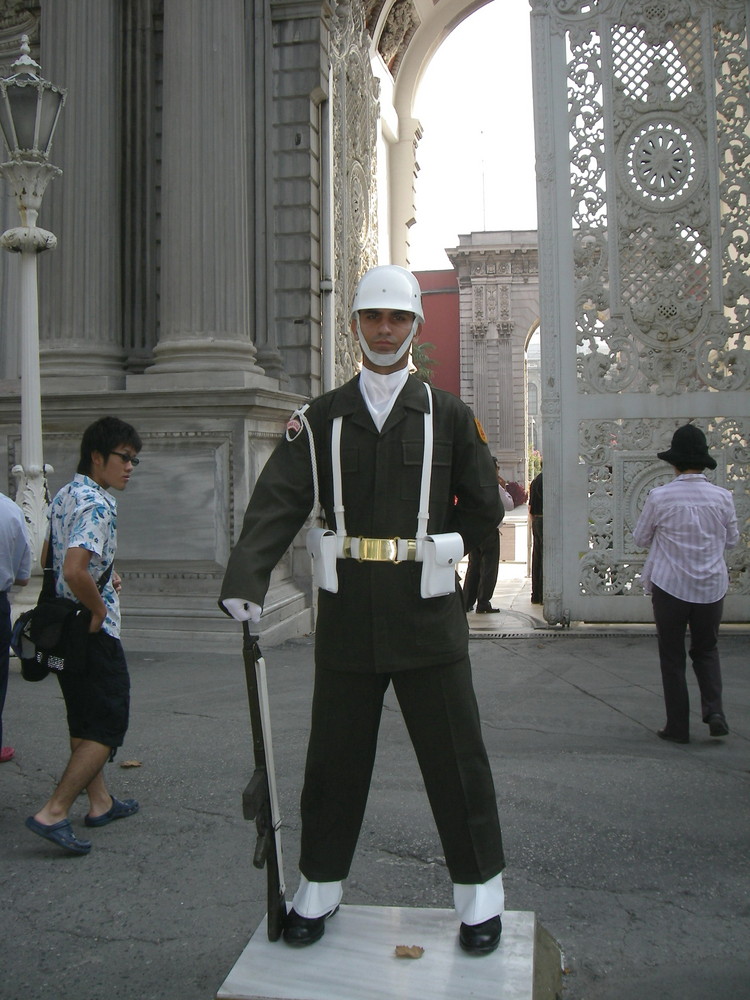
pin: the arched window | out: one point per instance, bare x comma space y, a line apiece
533, 400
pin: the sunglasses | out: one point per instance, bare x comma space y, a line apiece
126, 458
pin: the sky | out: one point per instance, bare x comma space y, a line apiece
476, 155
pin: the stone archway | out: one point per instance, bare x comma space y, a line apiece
406, 34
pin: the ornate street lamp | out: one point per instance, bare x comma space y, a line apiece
29, 110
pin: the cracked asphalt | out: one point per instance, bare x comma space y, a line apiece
633, 853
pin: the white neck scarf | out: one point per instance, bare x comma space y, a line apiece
380, 391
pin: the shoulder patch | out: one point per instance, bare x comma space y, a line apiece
295, 423
480, 431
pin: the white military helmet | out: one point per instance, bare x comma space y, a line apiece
388, 287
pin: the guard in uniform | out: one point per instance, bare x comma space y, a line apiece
407, 486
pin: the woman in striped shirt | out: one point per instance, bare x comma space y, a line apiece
687, 524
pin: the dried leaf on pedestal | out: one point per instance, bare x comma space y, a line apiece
409, 951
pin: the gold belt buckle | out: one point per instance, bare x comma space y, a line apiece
378, 549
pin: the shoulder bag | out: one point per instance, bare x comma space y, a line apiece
54, 634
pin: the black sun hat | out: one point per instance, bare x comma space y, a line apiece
688, 449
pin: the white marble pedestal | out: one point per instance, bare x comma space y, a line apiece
355, 960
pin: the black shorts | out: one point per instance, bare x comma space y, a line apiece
97, 699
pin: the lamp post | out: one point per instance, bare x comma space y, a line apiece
29, 110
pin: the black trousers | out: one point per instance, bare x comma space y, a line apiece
5, 632
537, 553
481, 573
673, 617
440, 711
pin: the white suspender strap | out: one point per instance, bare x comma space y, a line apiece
338, 493
423, 515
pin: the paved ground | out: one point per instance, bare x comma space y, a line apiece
632, 852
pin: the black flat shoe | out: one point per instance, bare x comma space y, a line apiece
717, 725
480, 939
487, 611
300, 931
663, 734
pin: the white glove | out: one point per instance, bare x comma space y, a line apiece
242, 611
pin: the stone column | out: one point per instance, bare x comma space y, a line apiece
79, 284
481, 410
505, 369
141, 151
205, 258
260, 146
395, 240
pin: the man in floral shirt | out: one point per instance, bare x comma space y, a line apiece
83, 535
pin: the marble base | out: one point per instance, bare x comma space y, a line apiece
78, 384
207, 380
355, 960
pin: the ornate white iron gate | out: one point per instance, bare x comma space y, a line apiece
643, 160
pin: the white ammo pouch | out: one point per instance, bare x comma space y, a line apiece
439, 554
321, 544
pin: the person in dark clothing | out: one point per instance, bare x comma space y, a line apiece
484, 560
536, 521
15, 569
404, 475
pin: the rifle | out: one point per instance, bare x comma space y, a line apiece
259, 800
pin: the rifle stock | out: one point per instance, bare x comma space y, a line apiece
259, 797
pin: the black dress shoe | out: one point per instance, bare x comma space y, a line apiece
487, 610
299, 931
717, 725
664, 734
480, 939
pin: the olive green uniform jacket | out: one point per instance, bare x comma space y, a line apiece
377, 621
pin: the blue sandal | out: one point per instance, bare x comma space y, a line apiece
61, 834
118, 810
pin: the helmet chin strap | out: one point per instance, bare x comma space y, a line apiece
386, 360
